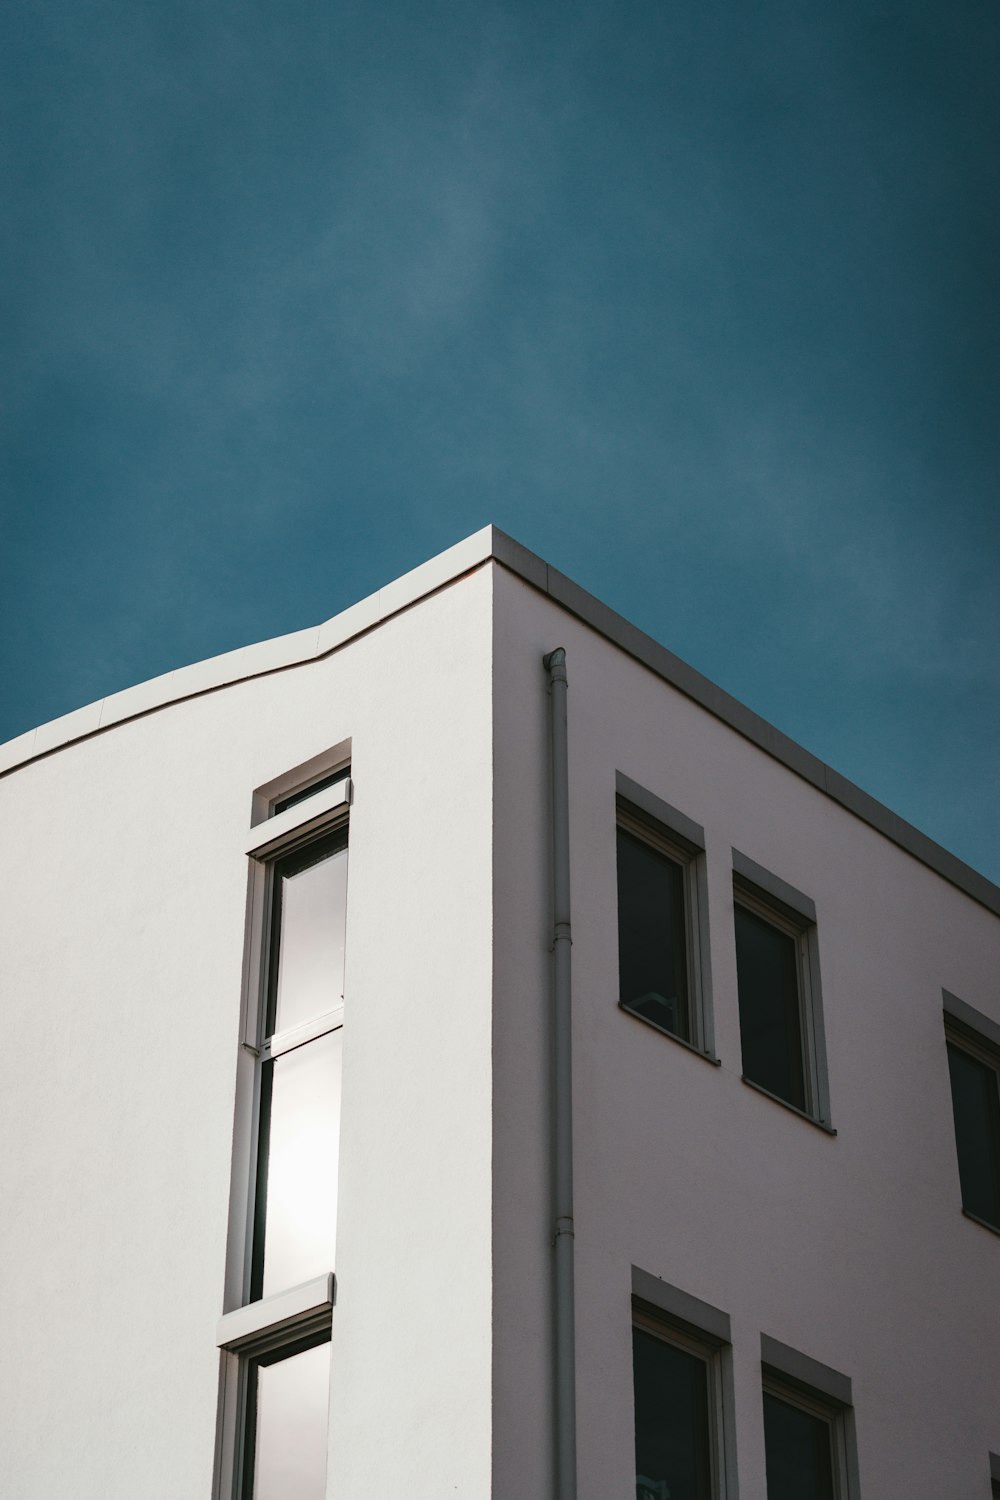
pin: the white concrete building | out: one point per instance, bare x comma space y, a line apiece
233, 1073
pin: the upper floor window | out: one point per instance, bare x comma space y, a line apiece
777, 969
277, 1397
295, 1206
974, 1065
662, 917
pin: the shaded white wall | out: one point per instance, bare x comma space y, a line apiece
851, 1249
123, 907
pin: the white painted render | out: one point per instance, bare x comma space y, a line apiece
124, 910
124, 898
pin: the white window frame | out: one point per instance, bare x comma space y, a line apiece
815, 1388
671, 833
249, 1330
787, 910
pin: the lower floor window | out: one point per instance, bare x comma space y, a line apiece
673, 1418
799, 1451
287, 1412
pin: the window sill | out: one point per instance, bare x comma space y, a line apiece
302, 1308
708, 1057
758, 1088
983, 1223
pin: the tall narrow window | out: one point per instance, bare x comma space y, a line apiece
652, 935
767, 965
974, 1067
975, 1099
295, 1215
279, 1338
662, 917
777, 973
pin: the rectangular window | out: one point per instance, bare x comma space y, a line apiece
288, 1395
673, 1450
777, 969
662, 921
808, 1427
681, 1397
295, 1206
278, 1339
799, 1449
974, 1068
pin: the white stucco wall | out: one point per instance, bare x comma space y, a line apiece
123, 910
851, 1249
123, 905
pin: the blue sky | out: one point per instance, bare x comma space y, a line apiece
698, 300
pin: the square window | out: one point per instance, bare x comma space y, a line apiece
974, 1069
662, 925
777, 969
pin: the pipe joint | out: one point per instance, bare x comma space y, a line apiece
555, 665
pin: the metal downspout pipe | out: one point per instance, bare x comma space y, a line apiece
562, 1145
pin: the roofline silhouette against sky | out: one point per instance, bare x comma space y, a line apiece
491, 544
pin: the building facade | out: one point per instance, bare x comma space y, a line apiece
278, 1183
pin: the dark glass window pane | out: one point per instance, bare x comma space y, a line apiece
652, 948
975, 1098
770, 1018
297, 1185
310, 899
798, 1451
672, 1451
289, 1415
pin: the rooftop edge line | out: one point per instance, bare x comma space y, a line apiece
485, 545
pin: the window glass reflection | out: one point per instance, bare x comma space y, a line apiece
311, 897
299, 1197
292, 1401
652, 944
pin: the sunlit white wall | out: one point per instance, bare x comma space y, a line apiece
123, 906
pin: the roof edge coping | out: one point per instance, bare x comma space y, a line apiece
489, 543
